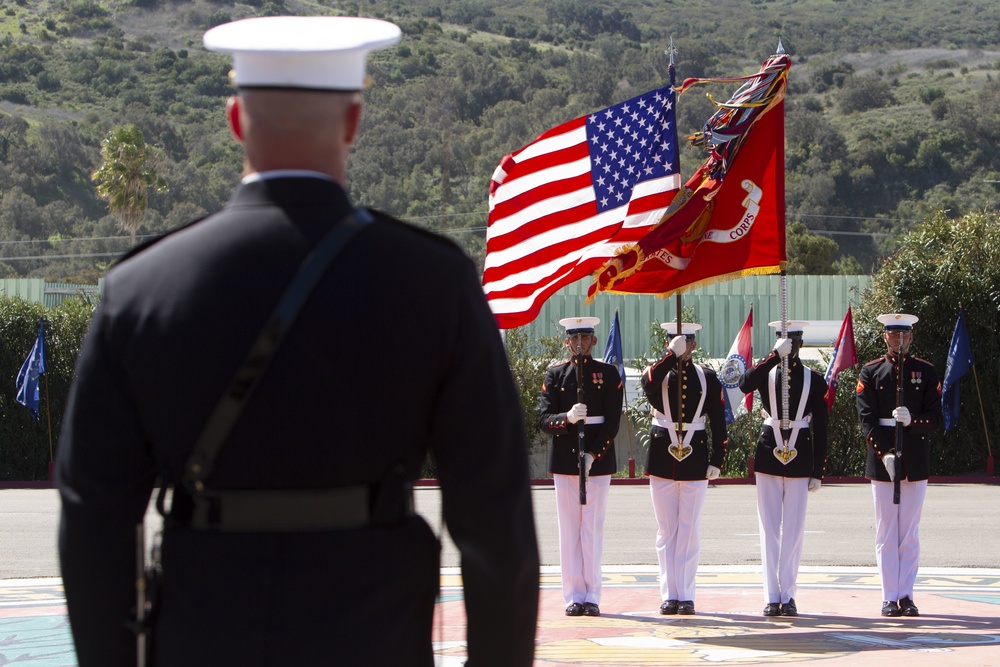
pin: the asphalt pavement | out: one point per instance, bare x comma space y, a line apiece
959, 527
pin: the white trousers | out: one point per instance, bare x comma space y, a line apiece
897, 542
677, 507
781, 512
581, 535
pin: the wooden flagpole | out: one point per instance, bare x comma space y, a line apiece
986, 431
48, 412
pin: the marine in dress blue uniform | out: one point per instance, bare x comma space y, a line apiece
787, 465
174, 323
681, 461
897, 542
581, 527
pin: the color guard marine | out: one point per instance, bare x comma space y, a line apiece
790, 461
687, 404
581, 526
899, 405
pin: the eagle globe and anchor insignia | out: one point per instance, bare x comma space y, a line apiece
680, 451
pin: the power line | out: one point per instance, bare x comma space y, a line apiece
81, 256
70, 239
449, 232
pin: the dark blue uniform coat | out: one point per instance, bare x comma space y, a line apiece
876, 399
659, 461
396, 355
603, 394
811, 444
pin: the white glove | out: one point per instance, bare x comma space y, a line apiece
889, 460
588, 460
678, 345
576, 413
814, 484
783, 346
712, 473
902, 415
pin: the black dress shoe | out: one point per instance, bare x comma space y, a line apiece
907, 608
575, 609
685, 608
890, 608
591, 609
772, 609
669, 608
789, 608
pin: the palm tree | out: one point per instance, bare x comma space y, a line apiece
127, 171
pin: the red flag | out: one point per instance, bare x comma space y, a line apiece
733, 221
562, 205
739, 359
844, 356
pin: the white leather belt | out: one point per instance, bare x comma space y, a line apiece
594, 420
662, 422
887, 422
795, 423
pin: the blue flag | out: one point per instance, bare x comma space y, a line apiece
27, 379
613, 350
959, 363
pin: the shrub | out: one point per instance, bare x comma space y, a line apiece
29, 445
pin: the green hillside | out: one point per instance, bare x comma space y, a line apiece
893, 108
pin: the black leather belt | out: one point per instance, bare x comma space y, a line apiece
306, 510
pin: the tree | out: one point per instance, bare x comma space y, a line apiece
848, 265
864, 92
808, 253
128, 169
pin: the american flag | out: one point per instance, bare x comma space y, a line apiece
562, 205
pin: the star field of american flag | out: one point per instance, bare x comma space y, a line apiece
629, 144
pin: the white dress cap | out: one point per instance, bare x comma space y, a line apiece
579, 324
310, 52
792, 327
687, 328
898, 321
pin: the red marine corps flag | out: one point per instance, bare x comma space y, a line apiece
560, 206
730, 219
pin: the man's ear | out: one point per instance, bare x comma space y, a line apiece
233, 118
352, 122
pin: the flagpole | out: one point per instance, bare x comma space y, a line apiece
628, 422
982, 413
48, 412
783, 298
751, 459
679, 418
631, 461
